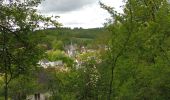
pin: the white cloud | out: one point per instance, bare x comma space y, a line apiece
90, 15
63, 5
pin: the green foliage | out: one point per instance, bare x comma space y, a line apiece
23, 86
60, 55
128, 61
55, 37
58, 45
138, 51
19, 51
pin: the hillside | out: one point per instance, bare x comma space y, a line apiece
66, 36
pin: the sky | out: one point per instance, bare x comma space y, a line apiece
79, 13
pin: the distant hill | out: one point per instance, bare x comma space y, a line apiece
77, 36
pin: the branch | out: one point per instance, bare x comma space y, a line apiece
121, 51
16, 35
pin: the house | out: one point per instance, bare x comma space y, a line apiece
71, 50
39, 96
45, 63
56, 63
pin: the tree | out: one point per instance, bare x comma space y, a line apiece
58, 55
139, 41
24, 85
18, 52
58, 45
88, 76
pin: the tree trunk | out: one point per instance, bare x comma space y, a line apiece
6, 87
6, 76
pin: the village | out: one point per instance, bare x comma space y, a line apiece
84, 49
71, 51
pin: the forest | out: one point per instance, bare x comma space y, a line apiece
126, 59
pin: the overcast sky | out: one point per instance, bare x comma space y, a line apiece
79, 13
